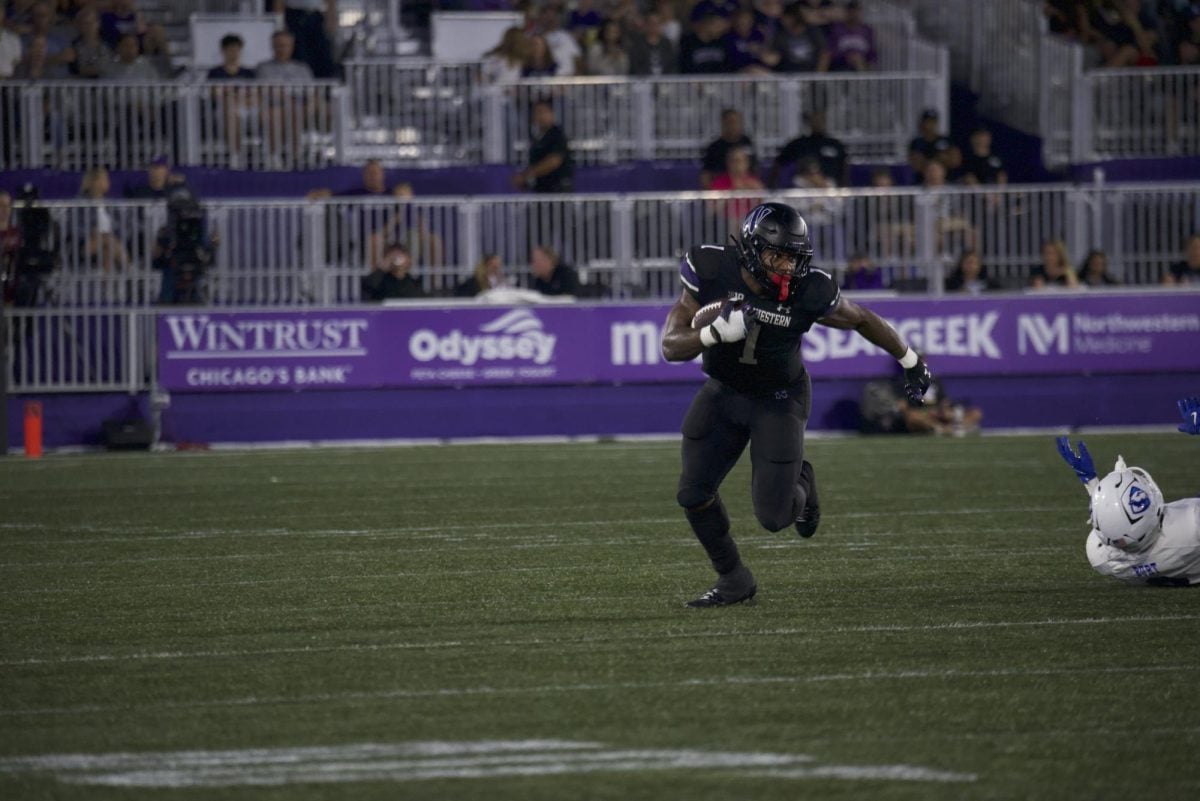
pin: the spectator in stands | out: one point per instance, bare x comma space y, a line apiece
1063, 16
285, 110
504, 62
737, 177
1094, 271
539, 61
703, 50
816, 144
1055, 269
606, 55
551, 167
969, 276
121, 18
733, 134
886, 410
749, 51
954, 231
768, 16
156, 49
313, 24
550, 276
389, 277
102, 243
861, 274
929, 145
235, 105
37, 65
42, 18
10, 243
488, 275
374, 184
894, 231
980, 165
584, 23
88, 56
10, 48
651, 52
852, 42
801, 46
1188, 270
130, 65
667, 13
1124, 32
563, 46
159, 180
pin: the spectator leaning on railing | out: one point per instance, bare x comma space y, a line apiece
550, 276
969, 277
551, 167
1094, 271
102, 242
930, 145
980, 165
390, 277
1055, 269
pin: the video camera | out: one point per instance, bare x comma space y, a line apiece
38, 252
187, 248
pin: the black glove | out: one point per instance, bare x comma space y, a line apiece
916, 380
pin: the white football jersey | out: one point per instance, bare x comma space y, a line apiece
1173, 557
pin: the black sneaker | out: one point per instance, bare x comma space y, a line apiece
810, 516
717, 597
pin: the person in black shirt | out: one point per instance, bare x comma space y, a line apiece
389, 278
549, 276
231, 68
801, 47
232, 104
651, 52
980, 165
929, 145
1188, 270
817, 144
733, 135
758, 391
1094, 271
551, 168
704, 49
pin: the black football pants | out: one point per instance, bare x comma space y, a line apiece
716, 430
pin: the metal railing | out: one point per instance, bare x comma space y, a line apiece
79, 350
77, 125
626, 245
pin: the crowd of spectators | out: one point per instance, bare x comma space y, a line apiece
620, 37
111, 40
1130, 33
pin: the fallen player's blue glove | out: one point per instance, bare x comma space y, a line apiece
1081, 463
1189, 409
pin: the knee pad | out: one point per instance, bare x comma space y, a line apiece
693, 497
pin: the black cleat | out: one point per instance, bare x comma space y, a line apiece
716, 597
810, 516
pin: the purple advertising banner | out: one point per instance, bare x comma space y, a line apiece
349, 348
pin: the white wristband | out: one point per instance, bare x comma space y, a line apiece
909, 359
707, 337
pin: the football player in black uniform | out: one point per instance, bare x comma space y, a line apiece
758, 391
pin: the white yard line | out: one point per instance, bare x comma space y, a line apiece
420, 761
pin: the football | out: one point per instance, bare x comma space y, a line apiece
706, 314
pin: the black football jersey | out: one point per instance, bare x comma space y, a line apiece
768, 359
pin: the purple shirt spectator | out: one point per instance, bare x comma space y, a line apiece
852, 43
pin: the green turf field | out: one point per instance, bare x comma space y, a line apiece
507, 622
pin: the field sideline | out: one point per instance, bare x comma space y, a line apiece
506, 621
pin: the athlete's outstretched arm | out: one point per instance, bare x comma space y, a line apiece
681, 342
849, 315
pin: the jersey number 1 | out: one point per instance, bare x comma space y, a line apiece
751, 341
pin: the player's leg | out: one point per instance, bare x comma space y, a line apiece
712, 443
782, 482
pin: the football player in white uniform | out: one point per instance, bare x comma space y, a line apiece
1136, 537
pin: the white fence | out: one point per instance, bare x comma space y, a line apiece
625, 245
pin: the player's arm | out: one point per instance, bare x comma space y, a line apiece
681, 342
848, 315
1080, 462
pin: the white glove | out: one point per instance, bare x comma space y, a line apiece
724, 329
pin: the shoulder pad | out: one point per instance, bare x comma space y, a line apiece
705, 260
819, 293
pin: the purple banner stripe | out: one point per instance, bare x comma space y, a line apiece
1048, 334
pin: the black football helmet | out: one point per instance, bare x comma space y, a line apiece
779, 227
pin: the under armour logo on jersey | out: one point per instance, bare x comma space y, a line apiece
1138, 500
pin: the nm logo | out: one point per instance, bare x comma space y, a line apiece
635, 343
1040, 335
